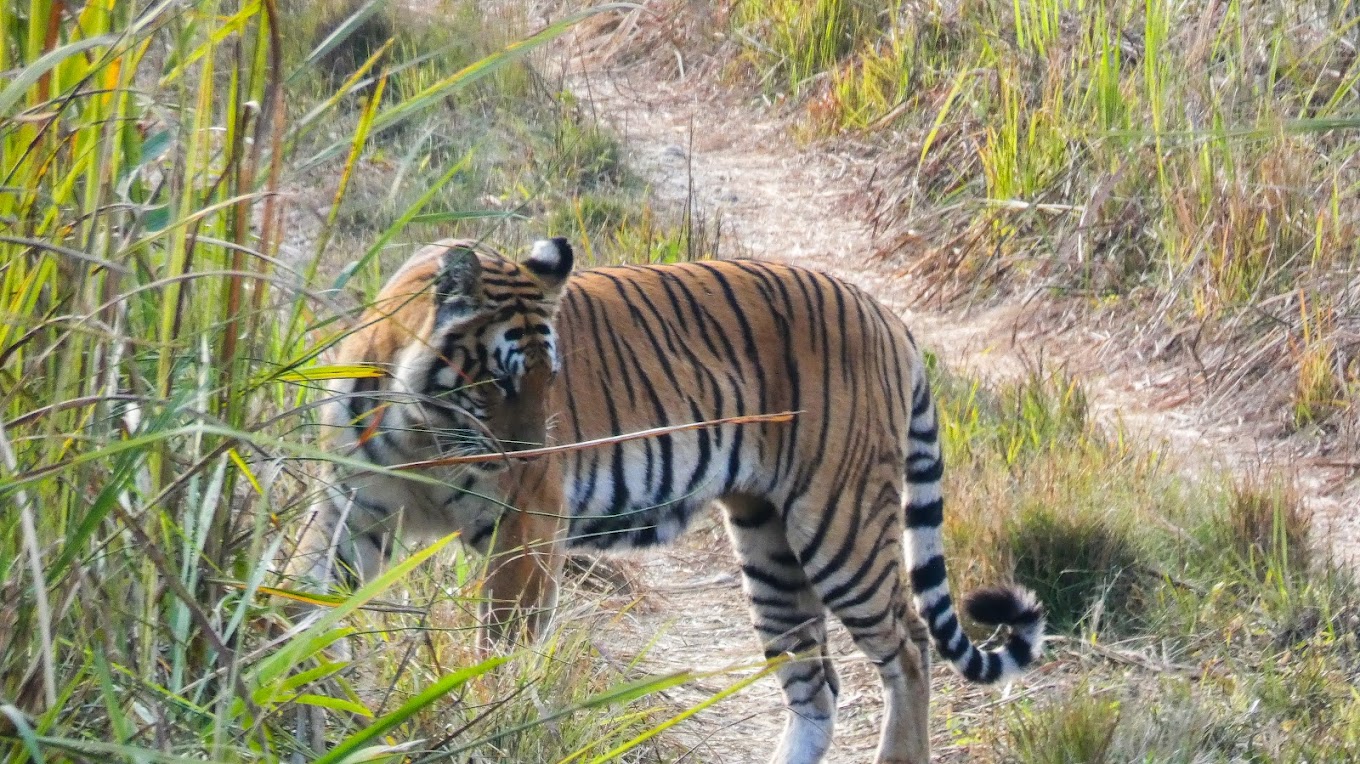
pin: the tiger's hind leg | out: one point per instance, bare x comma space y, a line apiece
857, 569
788, 618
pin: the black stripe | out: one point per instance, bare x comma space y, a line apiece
847, 547
764, 514
748, 337
598, 315
643, 537
573, 310
920, 398
854, 623
664, 442
828, 515
864, 595
928, 515
889, 566
734, 458
480, 534
785, 620
619, 499
945, 635
929, 436
811, 698
702, 318
929, 473
812, 674
770, 579
803, 482
976, 665
700, 470
936, 608
767, 601
929, 575
792, 383
890, 657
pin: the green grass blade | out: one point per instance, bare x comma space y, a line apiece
337, 36
422, 101
29, 75
289, 656
123, 752
408, 709
687, 713
23, 730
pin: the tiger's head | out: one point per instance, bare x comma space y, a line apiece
478, 372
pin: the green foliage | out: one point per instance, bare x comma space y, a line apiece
803, 39
488, 158
161, 313
1026, 454
1081, 565
1267, 526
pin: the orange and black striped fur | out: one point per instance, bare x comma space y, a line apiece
839, 510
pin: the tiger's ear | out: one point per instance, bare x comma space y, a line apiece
458, 286
551, 261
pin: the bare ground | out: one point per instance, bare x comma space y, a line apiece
736, 165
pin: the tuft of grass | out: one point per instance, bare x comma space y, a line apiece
1320, 389
1033, 477
1081, 565
365, 30
1268, 526
1077, 731
490, 159
799, 40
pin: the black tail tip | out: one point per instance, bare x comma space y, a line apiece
1003, 606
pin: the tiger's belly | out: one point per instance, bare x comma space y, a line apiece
644, 493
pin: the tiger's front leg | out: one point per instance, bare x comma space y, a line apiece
524, 567
520, 590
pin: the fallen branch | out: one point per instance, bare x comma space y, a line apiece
655, 432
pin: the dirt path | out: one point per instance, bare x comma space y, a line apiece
778, 201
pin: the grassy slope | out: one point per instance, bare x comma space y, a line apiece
1185, 169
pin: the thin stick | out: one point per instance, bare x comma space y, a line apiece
534, 453
29, 530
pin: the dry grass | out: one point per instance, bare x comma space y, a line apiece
1193, 622
1184, 173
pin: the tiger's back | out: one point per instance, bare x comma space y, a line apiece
646, 346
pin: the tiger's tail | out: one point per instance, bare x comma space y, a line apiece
1012, 606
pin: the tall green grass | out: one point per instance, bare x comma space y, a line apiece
803, 39
163, 303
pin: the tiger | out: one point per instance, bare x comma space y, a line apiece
837, 510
